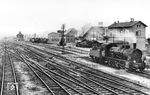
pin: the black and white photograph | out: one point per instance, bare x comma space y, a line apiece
74, 47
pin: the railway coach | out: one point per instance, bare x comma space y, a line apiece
39, 40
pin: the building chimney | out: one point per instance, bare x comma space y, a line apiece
132, 19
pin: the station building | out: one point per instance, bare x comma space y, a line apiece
133, 32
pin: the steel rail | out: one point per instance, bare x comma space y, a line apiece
61, 67
45, 51
84, 86
88, 88
89, 79
65, 84
26, 61
14, 74
43, 71
3, 77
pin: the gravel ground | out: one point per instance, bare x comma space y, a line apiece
120, 73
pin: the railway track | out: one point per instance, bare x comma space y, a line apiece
9, 84
66, 49
76, 64
94, 76
112, 85
143, 74
69, 85
93, 84
49, 83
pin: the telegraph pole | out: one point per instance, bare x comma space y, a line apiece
63, 36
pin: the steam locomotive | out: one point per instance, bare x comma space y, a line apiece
121, 57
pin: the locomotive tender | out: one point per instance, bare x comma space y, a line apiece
122, 57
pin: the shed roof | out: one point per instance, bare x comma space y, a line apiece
125, 24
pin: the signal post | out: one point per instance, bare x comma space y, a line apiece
62, 41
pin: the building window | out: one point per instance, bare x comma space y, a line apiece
138, 33
138, 25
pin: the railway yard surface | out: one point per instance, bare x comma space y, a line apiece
47, 69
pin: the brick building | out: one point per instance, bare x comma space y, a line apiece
54, 37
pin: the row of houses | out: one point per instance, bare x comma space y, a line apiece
133, 32
70, 36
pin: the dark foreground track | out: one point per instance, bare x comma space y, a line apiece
9, 84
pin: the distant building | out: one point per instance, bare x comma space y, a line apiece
132, 32
20, 36
54, 37
95, 33
70, 35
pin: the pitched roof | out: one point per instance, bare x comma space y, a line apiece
53, 33
70, 30
97, 28
85, 29
125, 24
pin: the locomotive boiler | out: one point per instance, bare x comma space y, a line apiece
122, 57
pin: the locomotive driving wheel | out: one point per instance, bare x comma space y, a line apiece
117, 64
131, 68
121, 65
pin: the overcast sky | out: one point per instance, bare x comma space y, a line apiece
37, 16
